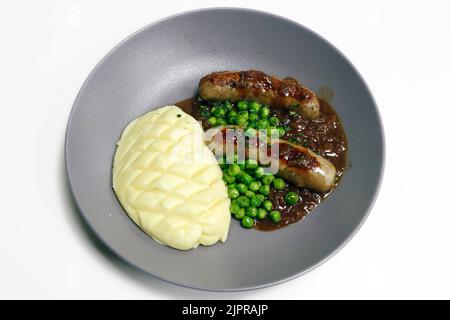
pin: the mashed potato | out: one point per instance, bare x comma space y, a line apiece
169, 182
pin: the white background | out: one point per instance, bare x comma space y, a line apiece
402, 49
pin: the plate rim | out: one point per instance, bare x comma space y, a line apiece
374, 196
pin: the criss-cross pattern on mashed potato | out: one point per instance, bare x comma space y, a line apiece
169, 182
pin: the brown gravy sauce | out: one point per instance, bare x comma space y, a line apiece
323, 135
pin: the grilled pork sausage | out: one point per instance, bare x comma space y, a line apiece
258, 86
297, 164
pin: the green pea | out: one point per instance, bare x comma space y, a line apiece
255, 201
264, 190
234, 207
240, 120
240, 214
254, 186
279, 184
243, 201
218, 111
262, 124
251, 124
247, 222
245, 178
212, 121
253, 117
232, 185
232, 113
291, 198
244, 114
251, 164
267, 179
232, 120
259, 172
275, 216
267, 204
242, 188
227, 105
250, 132
264, 112
251, 212
254, 106
229, 179
234, 170
260, 197
233, 193
242, 105
262, 213
281, 131
250, 194
221, 122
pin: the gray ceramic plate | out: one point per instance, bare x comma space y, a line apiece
162, 64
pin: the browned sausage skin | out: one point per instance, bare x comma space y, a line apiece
258, 86
296, 163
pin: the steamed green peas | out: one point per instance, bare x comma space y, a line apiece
251, 124
234, 208
245, 178
218, 111
267, 179
229, 179
275, 216
291, 198
244, 114
261, 197
241, 120
232, 120
247, 222
251, 164
232, 113
279, 184
262, 124
233, 193
227, 105
267, 204
254, 106
264, 112
212, 121
240, 214
255, 201
262, 213
242, 188
242, 105
254, 185
234, 170
259, 172
253, 117
251, 212
264, 190
221, 122
250, 194
243, 201
274, 121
